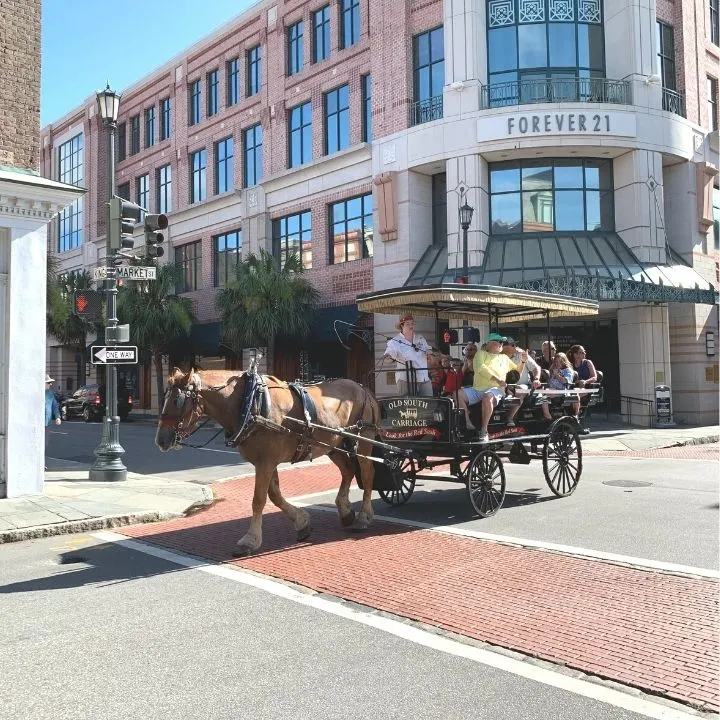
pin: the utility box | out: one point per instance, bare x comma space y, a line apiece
663, 405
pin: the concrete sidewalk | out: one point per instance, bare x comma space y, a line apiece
71, 503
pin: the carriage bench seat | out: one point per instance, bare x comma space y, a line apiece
505, 404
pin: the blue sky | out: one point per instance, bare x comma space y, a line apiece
80, 50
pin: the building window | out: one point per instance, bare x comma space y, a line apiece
666, 55
366, 108
227, 251
349, 22
321, 34
712, 101
428, 75
253, 167
551, 195
253, 71
224, 166
337, 119
165, 119
189, 258
123, 191
198, 164
121, 142
292, 234
149, 127
135, 135
300, 135
716, 216
70, 171
142, 193
213, 89
714, 22
164, 189
351, 231
194, 98
544, 53
233, 81
295, 48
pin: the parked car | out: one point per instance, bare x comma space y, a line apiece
88, 402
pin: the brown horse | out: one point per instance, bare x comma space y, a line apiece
339, 404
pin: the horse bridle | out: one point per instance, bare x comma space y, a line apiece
178, 424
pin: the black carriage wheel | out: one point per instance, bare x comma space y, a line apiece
562, 458
486, 483
406, 471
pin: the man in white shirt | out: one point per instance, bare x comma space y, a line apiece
530, 375
410, 352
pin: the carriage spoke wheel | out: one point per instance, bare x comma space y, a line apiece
403, 472
562, 458
486, 483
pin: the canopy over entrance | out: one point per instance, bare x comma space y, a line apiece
597, 266
475, 302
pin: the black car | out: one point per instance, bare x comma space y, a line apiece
88, 402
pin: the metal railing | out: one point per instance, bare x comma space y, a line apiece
673, 102
556, 90
632, 410
428, 110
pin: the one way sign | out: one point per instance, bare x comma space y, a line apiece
117, 355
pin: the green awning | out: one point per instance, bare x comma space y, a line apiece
332, 320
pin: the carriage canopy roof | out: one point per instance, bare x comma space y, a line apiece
475, 302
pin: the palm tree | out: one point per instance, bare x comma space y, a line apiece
156, 315
266, 301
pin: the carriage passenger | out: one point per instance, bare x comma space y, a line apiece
528, 378
410, 351
491, 367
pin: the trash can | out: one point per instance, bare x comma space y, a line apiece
663, 405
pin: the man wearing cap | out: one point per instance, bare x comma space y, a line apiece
52, 409
491, 366
410, 352
530, 376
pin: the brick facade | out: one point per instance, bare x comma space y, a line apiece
20, 86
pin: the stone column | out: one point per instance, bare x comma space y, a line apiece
644, 339
639, 213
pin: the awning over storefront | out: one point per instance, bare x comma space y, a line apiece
330, 319
205, 339
597, 266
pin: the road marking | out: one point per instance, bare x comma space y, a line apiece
640, 563
522, 668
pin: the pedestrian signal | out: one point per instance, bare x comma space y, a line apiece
87, 304
470, 335
450, 337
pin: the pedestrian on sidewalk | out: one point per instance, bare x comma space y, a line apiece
52, 409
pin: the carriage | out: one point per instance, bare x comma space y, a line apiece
426, 437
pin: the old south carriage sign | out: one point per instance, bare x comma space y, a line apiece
541, 124
414, 418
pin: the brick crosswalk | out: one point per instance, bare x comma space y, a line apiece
654, 631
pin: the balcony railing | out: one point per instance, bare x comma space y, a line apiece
673, 102
426, 110
556, 90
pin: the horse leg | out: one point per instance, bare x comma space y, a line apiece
342, 500
298, 517
365, 516
252, 540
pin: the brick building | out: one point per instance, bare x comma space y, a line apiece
27, 203
347, 129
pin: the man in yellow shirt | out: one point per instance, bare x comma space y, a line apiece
491, 366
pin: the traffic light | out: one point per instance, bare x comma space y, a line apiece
450, 337
87, 304
153, 238
124, 215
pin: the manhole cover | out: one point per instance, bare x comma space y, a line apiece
627, 483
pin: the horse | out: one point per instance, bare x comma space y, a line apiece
220, 394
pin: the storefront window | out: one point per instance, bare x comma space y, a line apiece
550, 196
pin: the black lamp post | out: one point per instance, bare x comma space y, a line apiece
466, 213
108, 465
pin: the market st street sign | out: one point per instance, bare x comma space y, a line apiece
127, 273
114, 355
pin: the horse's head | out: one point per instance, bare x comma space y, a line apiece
181, 410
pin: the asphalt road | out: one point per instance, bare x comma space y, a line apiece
95, 631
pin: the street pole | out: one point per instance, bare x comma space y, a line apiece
465, 253
108, 465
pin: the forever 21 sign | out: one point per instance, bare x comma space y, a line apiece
534, 125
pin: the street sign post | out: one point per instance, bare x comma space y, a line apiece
114, 355
127, 272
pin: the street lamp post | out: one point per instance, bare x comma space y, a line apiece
466, 213
108, 465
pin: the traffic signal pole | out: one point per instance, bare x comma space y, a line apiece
108, 465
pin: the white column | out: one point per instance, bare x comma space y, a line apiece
644, 339
639, 212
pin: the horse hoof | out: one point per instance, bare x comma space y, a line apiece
304, 533
360, 525
348, 520
242, 551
